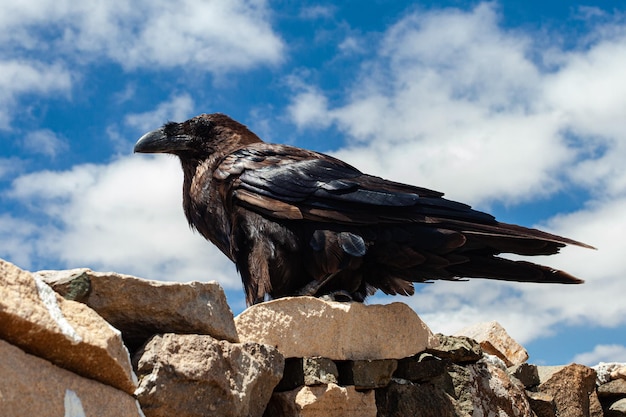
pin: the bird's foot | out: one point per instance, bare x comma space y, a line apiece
340, 296
314, 286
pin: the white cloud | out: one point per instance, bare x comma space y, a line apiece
125, 216
452, 101
602, 353
214, 36
19, 77
178, 108
44, 142
450, 95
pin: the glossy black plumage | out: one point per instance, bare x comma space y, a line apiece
300, 222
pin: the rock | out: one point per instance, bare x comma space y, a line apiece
545, 372
495, 393
31, 386
66, 333
366, 374
460, 388
526, 373
608, 371
308, 371
420, 368
415, 400
571, 388
613, 390
197, 375
595, 407
140, 308
306, 326
617, 409
495, 340
322, 401
458, 349
541, 403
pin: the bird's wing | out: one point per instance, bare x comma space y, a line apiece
285, 182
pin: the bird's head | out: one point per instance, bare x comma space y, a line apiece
198, 137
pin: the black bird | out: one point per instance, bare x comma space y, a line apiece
297, 222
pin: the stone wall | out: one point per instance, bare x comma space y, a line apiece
84, 343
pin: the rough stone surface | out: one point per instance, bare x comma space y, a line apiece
496, 341
197, 375
308, 371
415, 400
67, 333
541, 403
571, 388
458, 349
323, 401
31, 386
595, 406
140, 308
306, 326
495, 394
617, 409
613, 390
608, 371
366, 374
420, 368
526, 373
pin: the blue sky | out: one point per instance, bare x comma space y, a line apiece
517, 107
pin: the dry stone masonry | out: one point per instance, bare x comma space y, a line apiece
67, 339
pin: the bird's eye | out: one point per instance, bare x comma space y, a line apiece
203, 128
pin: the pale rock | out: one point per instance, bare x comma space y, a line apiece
571, 388
197, 375
608, 371
544, 373
31, 386
307, 326
495, 393
613, 389
617, 409
140, 308
496, 341
66, 333
322, 401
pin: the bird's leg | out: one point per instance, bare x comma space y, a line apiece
313, 287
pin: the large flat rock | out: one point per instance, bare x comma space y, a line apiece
307, 326
31, 386
66, 333
140, 308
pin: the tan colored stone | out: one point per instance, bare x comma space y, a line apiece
197, 375
571, 388
67, 333
31, 386
322, 401
141, 308
496, 341
307, 326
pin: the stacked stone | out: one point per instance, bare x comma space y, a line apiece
182, 339
358, 360
58, 357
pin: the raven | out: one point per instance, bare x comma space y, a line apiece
298, 222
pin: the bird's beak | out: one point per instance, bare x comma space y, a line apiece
158, 141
